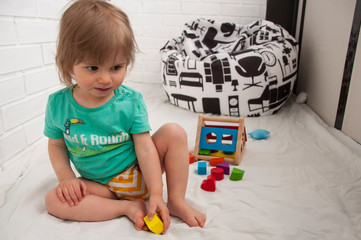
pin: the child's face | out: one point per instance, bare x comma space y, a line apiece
99, 81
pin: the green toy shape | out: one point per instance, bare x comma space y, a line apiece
237, 174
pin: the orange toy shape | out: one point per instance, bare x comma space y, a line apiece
215, 161
191, 158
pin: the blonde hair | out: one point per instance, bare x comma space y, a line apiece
93, 30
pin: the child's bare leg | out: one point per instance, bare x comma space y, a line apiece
171, 143
99, 204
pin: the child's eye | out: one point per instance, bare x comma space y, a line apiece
92, 68
116, 68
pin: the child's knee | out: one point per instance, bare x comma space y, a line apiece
51, 200
175, 131
170, 136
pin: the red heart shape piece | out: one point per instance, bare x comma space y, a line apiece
209, 184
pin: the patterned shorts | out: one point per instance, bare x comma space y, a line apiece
129, 184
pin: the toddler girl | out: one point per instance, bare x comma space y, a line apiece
102, 127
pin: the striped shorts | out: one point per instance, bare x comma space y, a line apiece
129, 184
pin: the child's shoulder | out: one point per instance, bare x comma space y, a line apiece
129, 91
61, 93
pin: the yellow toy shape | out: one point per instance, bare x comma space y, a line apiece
155, 225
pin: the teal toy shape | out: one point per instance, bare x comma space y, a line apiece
259, 134
202, 168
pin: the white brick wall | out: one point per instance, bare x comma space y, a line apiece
28, 42
155, 22
27, 71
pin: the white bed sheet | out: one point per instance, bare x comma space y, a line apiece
304, 182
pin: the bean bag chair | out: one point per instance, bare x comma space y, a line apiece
230, 69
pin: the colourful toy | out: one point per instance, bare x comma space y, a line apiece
215, 161
224, 166
237, 174
209, 184
202, 168
226, 138
217, 173
155, 225
191, 158
259, 134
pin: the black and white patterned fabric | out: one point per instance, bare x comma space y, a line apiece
230, 69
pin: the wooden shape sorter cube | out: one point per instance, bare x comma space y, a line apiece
228, 139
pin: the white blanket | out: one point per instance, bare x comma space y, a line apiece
304, 182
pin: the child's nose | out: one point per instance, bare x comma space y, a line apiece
104, 78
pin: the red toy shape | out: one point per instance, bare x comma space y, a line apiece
191, 158
215, 161
217, 173
209, 184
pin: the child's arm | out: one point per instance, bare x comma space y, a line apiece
149, 163
70, 188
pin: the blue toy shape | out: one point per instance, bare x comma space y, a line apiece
259, 134
202, 168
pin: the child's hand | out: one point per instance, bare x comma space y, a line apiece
71, 190
156, 204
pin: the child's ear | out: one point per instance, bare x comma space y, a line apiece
70, 70
70, 73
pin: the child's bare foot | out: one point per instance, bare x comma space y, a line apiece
136, 212
188, 214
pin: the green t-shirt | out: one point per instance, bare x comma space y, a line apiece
98, 139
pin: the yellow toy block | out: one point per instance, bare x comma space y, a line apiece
155, 225
221, 154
